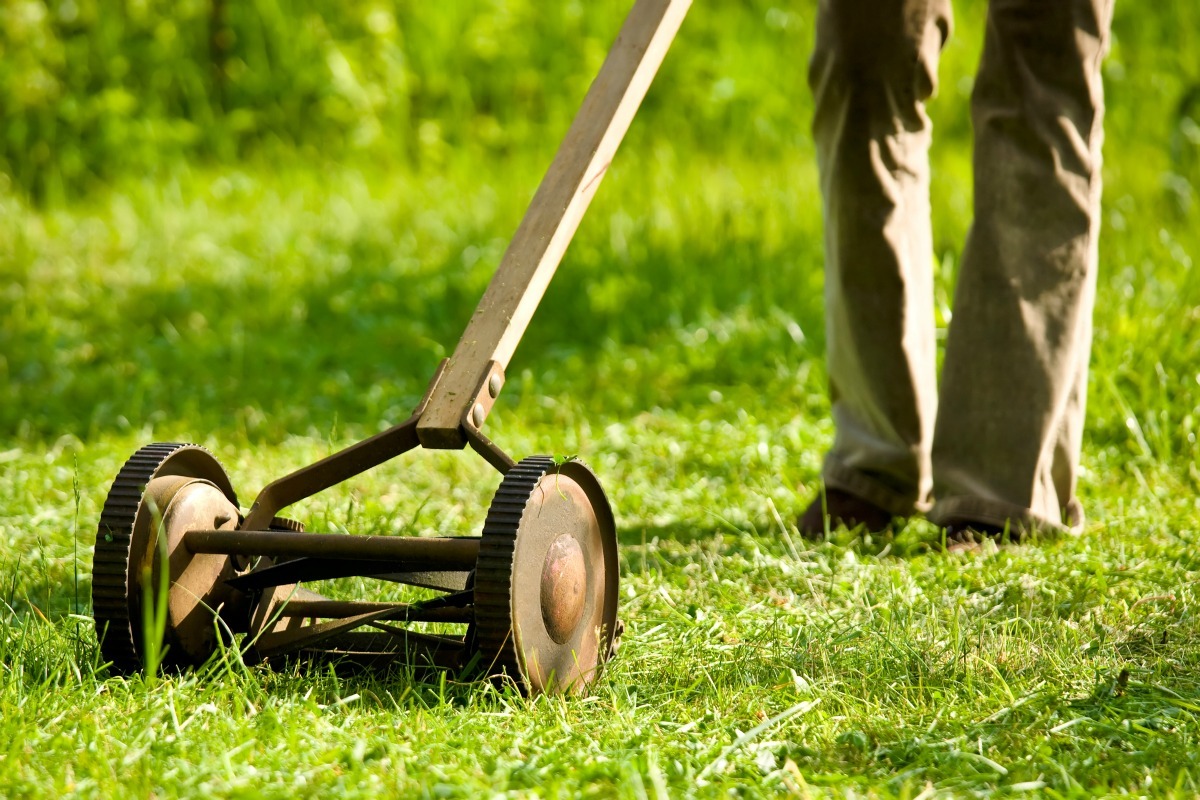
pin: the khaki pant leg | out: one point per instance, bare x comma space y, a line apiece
874, 65
1010, 421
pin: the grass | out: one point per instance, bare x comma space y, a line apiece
281, 306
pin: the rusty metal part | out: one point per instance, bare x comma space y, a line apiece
358, 458
488, 449
431, 579
285, 625
376, 649
330, 471
546, 582
268, 615
343, 465
313, 569
406, 612
287, 639
290, 639
162, 490
284, 524
324, 569
435, 553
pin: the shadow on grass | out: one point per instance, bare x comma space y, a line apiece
914, 539
680, 534
268, 354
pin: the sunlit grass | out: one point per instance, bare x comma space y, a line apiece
282, 306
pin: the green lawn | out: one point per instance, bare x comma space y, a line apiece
276, 302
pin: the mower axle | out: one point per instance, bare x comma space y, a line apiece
449, 553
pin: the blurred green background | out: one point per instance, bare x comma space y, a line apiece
273, 215
97, 90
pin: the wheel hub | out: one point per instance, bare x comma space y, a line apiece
197, 581
546, 582
161, 492
564, 587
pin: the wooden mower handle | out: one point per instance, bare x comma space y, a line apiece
465, 391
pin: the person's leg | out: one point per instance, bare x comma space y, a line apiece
1010, 420
874, 65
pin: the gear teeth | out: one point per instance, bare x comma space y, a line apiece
115, 605
494, 569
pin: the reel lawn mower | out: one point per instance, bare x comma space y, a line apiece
536, 592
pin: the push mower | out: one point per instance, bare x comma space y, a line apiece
536, 592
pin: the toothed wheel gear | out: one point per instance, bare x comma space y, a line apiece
165, 487
285, 524
546, 578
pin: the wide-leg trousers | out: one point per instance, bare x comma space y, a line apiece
1000, 442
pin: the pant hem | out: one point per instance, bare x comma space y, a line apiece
998, 513
839, 476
